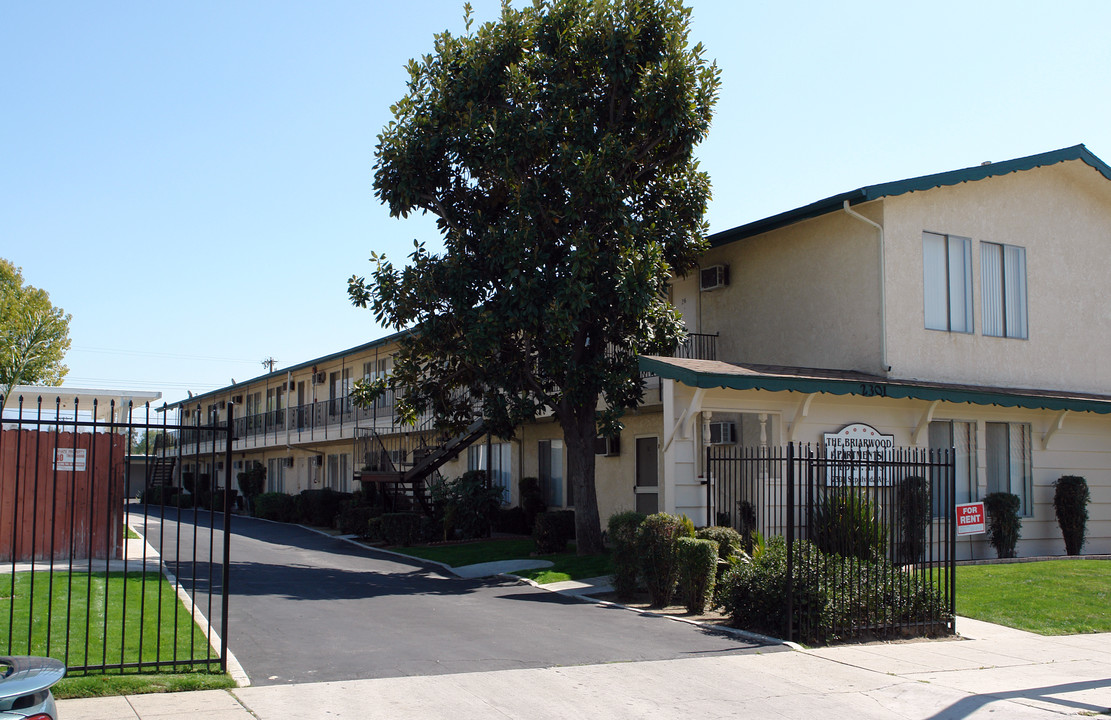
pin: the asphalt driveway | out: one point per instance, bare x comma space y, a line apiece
305, 608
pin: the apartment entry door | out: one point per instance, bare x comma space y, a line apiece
647, 472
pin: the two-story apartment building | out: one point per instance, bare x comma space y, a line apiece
967, 309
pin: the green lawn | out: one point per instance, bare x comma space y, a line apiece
565, 566
102, 618
1052, 597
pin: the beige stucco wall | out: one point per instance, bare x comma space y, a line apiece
1080, 447
806, 295
1062, 215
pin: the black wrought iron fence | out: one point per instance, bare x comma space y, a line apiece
868, 536
106, 562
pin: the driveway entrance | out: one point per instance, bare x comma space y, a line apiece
308, 608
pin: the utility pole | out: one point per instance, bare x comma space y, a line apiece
269, 362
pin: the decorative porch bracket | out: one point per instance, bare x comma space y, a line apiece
689, 412
800, 415
927, 418
1057, 424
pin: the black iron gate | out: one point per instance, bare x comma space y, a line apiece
872, 531
107, 562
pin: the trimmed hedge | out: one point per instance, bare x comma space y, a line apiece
1070, 504
553, 530
320, 507
698, 559
274, 506
729, 540
657, 546
401, 528
826, 594
622, 528
1004, 526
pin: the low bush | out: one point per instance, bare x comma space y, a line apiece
553, 530
846, 524
400, 528
657, 548
913, 516
1004, 525
159, 495
218, 499
622, 531
182, 501
698, 559
511, 521
274, 506
353, 518
531, 499
1070, 504
320, 507
829, 603
469, 505
252, 482
729, 540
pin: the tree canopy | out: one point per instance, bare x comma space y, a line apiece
554, 146
34, 335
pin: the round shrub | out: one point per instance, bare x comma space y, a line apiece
274, 506
553, 530
698, 561
1004, 526
657, 546
1070, 503
622, 532
729, 540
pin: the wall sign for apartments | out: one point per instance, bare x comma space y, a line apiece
856, 453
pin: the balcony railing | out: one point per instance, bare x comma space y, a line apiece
698, 346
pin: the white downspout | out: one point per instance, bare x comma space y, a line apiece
883, 284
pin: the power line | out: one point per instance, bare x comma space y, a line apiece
146, 353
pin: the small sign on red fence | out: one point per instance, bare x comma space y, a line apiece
970, 519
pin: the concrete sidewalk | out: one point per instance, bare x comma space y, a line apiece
991, 672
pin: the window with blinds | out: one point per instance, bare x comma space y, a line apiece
1003, 290
947, 282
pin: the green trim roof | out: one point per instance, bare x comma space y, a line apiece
716, 374
900, 187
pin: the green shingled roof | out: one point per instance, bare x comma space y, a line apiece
899, 187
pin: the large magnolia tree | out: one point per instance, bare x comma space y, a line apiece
555, 148
34, 335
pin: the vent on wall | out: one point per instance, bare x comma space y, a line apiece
723, 433
713, 277
320, 378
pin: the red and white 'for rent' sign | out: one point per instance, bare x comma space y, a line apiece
970, 519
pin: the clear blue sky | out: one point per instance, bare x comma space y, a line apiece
192, 181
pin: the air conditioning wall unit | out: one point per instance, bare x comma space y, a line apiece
223, 404
317, 460
723, 433
607, 446
320, 378
713, 277
237, 399
289, 461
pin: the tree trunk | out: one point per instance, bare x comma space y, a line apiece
579, 433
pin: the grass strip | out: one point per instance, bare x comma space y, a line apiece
100, 619
1051, 597
109, 685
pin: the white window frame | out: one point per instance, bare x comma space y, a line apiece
552, 478
501, 458
1011, 471
947, 278
1003, 295
966, 483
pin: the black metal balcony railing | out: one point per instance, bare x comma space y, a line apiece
698, 346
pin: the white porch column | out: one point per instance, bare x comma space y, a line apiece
681, 490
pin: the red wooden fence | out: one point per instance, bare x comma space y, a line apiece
69, 510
